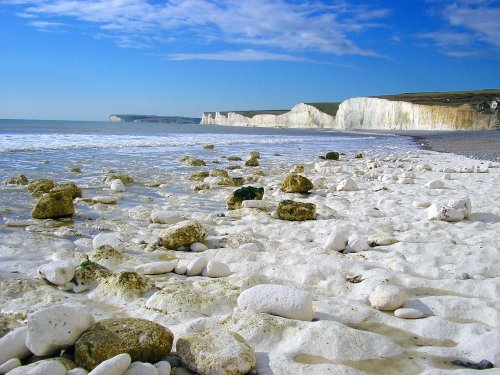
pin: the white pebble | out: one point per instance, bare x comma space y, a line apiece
155, 268
161, 216
11, 364
436, 184
55, 328
347, 185
198, 247
117, 185
195, 267
407, 313
387, 297
77, 371
281, 300
141, 368
13, 345
216, 269
180, 268
163, 368
48, 367
113, 366
59, 272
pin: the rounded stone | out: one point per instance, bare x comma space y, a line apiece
216, 352
387, 297
407, 313
295, 183
144, 340
296, 211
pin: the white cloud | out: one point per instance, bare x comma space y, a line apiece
290, 27
244, 55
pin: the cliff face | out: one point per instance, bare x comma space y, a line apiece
373, 113
365, 113
300, 116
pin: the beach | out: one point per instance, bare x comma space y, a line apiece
396, 270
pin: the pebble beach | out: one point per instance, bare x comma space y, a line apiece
253, 260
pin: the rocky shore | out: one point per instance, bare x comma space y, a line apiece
342, 264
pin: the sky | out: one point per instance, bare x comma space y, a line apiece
86, 59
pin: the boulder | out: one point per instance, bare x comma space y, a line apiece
281, 300
55, 328
245, 193
18, 180
144, 340
75, 191
216, 352
295, 183
296, 211
387, 297
38, 187
53, 205
208, 146
13, 345
125, 178
332, 155
183, 234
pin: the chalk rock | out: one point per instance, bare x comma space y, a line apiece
285, 301
387, 297
47, 367
144, 340
406, 181
463, 204
59, 272
337, 240
436, 184
180, 268
216, 269
54, 205
183, 234
163, 368
198, 247
381, 239
13, 345
449, 170
155, 268
296, 211
9, 365
113, 240
77, 371
141, 368
55, 328
421, 204
357, 244
216, 352
467, 170
162, 216
116, 365
196, 266
117, 185
482, 169
75, 191
444, 213
347, 185
295, 183
407, 313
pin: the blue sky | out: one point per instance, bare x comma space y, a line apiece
85, 59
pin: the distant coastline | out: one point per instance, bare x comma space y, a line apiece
154, 119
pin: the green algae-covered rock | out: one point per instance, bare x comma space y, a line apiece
332, 155
216, 352
193, 162
142, 339
38, 187
18, 180
75, 191
125, 178
54, 205
184, 233
89, 274
296, 211
208, 146
359, 156
129, 285
295, 183
242, 194
219, 173
198, 176
252, 162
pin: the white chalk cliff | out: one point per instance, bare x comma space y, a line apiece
365, 113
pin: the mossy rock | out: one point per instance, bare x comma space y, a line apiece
359, 156
198, 176
254, 154
219, 173
252, 162
208, 146
39, 187
54, 205
18, 180
184, 233
216, 352
126, 284
200, 187
89, 273
125, 178
75, 170
332, 155
142, 339
234, 158
106, 252
296, 211
75, 191
295, 183
193, 162
242, 194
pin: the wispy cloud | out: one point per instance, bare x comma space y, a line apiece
472, 27
280, 29
244, 55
